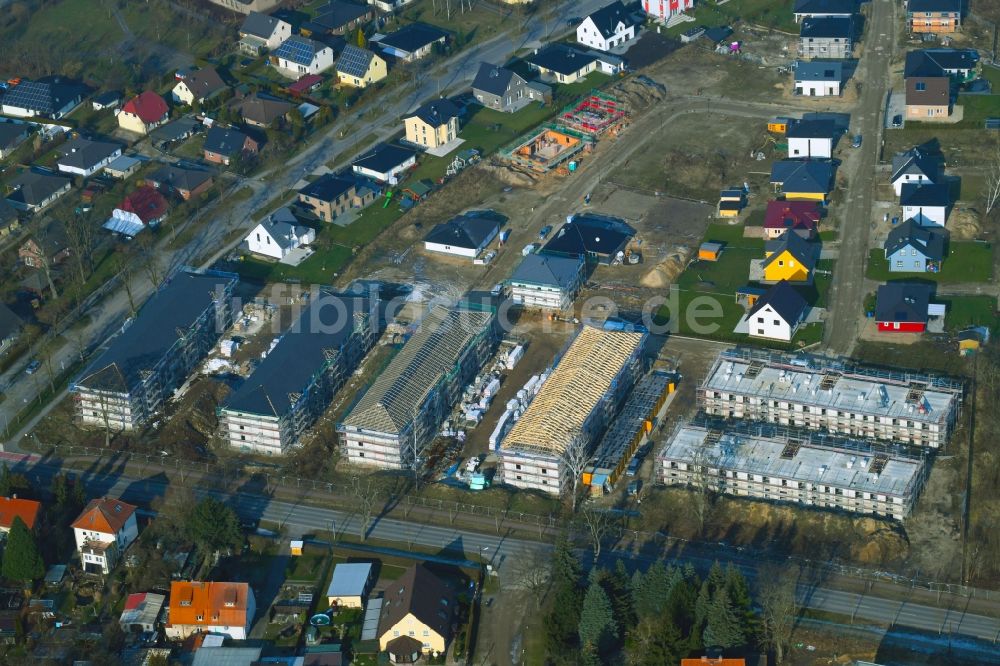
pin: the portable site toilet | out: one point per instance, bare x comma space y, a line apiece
710, 251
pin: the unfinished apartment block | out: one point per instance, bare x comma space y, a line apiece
838, 396
768, 462
155, 353
558, 430
404, 408
297, 380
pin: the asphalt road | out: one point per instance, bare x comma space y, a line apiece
849, 284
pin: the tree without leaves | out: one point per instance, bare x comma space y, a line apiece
991, 191
779, 608
574, 459
367, 492
599, 524
21, 559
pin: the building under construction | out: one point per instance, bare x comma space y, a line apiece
546, 147
769, 462
631, 427
404, 409
835, 395
298, 378
553, 438
595, 114
156, 351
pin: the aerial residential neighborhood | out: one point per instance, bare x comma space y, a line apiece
499, 332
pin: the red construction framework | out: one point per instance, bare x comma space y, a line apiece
594, 114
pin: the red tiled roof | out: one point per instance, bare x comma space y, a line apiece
134, 600
791, 215
104, 515
305, 83
209, 603
148, 204
149, 106
11, 508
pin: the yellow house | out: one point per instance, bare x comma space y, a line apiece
802, 180
789, 257
360, 67
432, 125
416, 616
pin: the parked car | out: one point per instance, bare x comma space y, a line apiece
897, 120
33, 367
633, 467
856, 141
634, 486
544, 231
530, 248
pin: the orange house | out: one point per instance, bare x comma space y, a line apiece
12, 507
216, 608
934, 16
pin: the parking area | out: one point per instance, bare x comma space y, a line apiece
896, 107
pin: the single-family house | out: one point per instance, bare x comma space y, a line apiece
596, 238
562, 63
811, 139
10, 331
141, 613
385, 164
776, 315
803, 179
110, 99
928, 98
261, 110
607, 28
83, 157
824, 9
12, 135
298, 55
465, 235
934, 16
103, 531
411, 42
279, 234
359, 68
818, 78
664, 10
912, 248
199, 86
826, 37
925, 203
329, 196
902, 307
15, 507
502, 89
144, 207
184, 182
789, 257
915, 166
144, 112
49, 246
338, 17
959, 64
417, 611
350, 584
798, 217
546, 281
262, 32
32, 191
210, 607
434, 124
49, 97
224, 144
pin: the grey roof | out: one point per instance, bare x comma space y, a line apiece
226, 656
383, 158
225, 141
336, 14
926, 240
430, 353
548, 270
561, 58
437, 112
799, 248
818, 70
259, 25
299, 50
175, 129
47, 95
328, 187
175, 307
263, 109
608, 17
803, 175
179, 178
469, 230
83, 153
934, 6
32, 188
123, 163
284, 232
204, 83
354, 60
413, 37
926, 194
825, 6
590, 234
108, 97
350, 579
812, 129
12, 134
493, 79
915, 162
902, 302
785, 300
8, 213
302, 352
936, 62
826, 27
10, 323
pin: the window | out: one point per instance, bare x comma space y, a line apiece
426, 633
921, 86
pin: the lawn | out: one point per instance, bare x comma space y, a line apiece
161, 23
309, 566
71, 26
975, 109
967, 261
773, 14
482, 22
963, 311
992, 74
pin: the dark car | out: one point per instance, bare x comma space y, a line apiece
897, 120
856, 141
33, 367
545, 231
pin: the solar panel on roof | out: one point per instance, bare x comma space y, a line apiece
354, 61
297, 50
30, 95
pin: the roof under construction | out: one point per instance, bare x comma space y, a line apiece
444, 334
576, 387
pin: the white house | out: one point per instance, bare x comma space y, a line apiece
546, 281
466, 235
606, 28
83, 157
913, 166
386, 163
818, 78
926, 204
278, 235
103, 531
298, 56
776, 315
261, 32
811, 139
664, 10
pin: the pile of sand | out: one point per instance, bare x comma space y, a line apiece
880, 543
639, 93
509, 175
963, 223
665, 272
